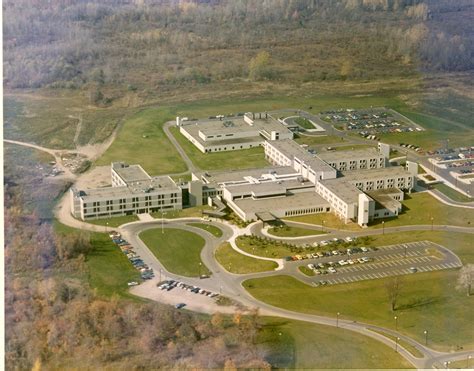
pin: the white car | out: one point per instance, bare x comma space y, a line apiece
331, 270
364, 249
342, 262
335, 252
350, 261
133, 283
311, 266
349, 239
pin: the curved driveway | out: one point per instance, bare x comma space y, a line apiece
230, 285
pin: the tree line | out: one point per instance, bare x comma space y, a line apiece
159, 43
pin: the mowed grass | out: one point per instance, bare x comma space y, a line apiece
241, 159
324, 220
215, 231
306, 271
419, 208
452, 193
115, 221
302, 345
141, 140
178, 250
237, 263
287, 231
108, 269
428, 301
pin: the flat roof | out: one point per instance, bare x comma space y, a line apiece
292, 149
384, 200
154, 185
343, 189
269, 187
349, 155
367, 174
308, 199
240, 175
130, 173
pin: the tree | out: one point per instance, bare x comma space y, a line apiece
394, 287
259, 66
466, 274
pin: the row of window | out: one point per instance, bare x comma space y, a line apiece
313, 210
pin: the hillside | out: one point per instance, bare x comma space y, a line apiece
158, 45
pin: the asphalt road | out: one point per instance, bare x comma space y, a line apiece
231, 285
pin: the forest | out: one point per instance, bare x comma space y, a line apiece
161, 44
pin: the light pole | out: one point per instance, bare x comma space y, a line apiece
468, 361
337, 320
322, 226
432, 219
397, 339
383, 227
426, 337
162, 221
106, 227
160, 274
200, 264
405, 246
396, 322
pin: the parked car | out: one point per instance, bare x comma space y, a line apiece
180, 305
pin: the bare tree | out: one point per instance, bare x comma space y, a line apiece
466, 274
394, 287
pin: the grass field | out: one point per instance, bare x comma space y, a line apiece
142, 141
428, 301
237, 263
302, 345
326, 220
287, 231
51, 120
305, 270
452, 193
242, 159
215, 231
178, 250
415, 352
304, 123
115, 221
419, 208
108, 268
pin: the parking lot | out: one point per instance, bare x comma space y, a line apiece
370, 122
381, 262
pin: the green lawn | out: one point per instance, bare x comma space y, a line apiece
429, 301
178, 250
419, 208
142, 140
287, 231
325, 219
215, 231
414, 351
452, 193
305, 270
241, 159
303, 345
108, 268
438, 129
115, 221
314, 140
237, 263
304, 123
